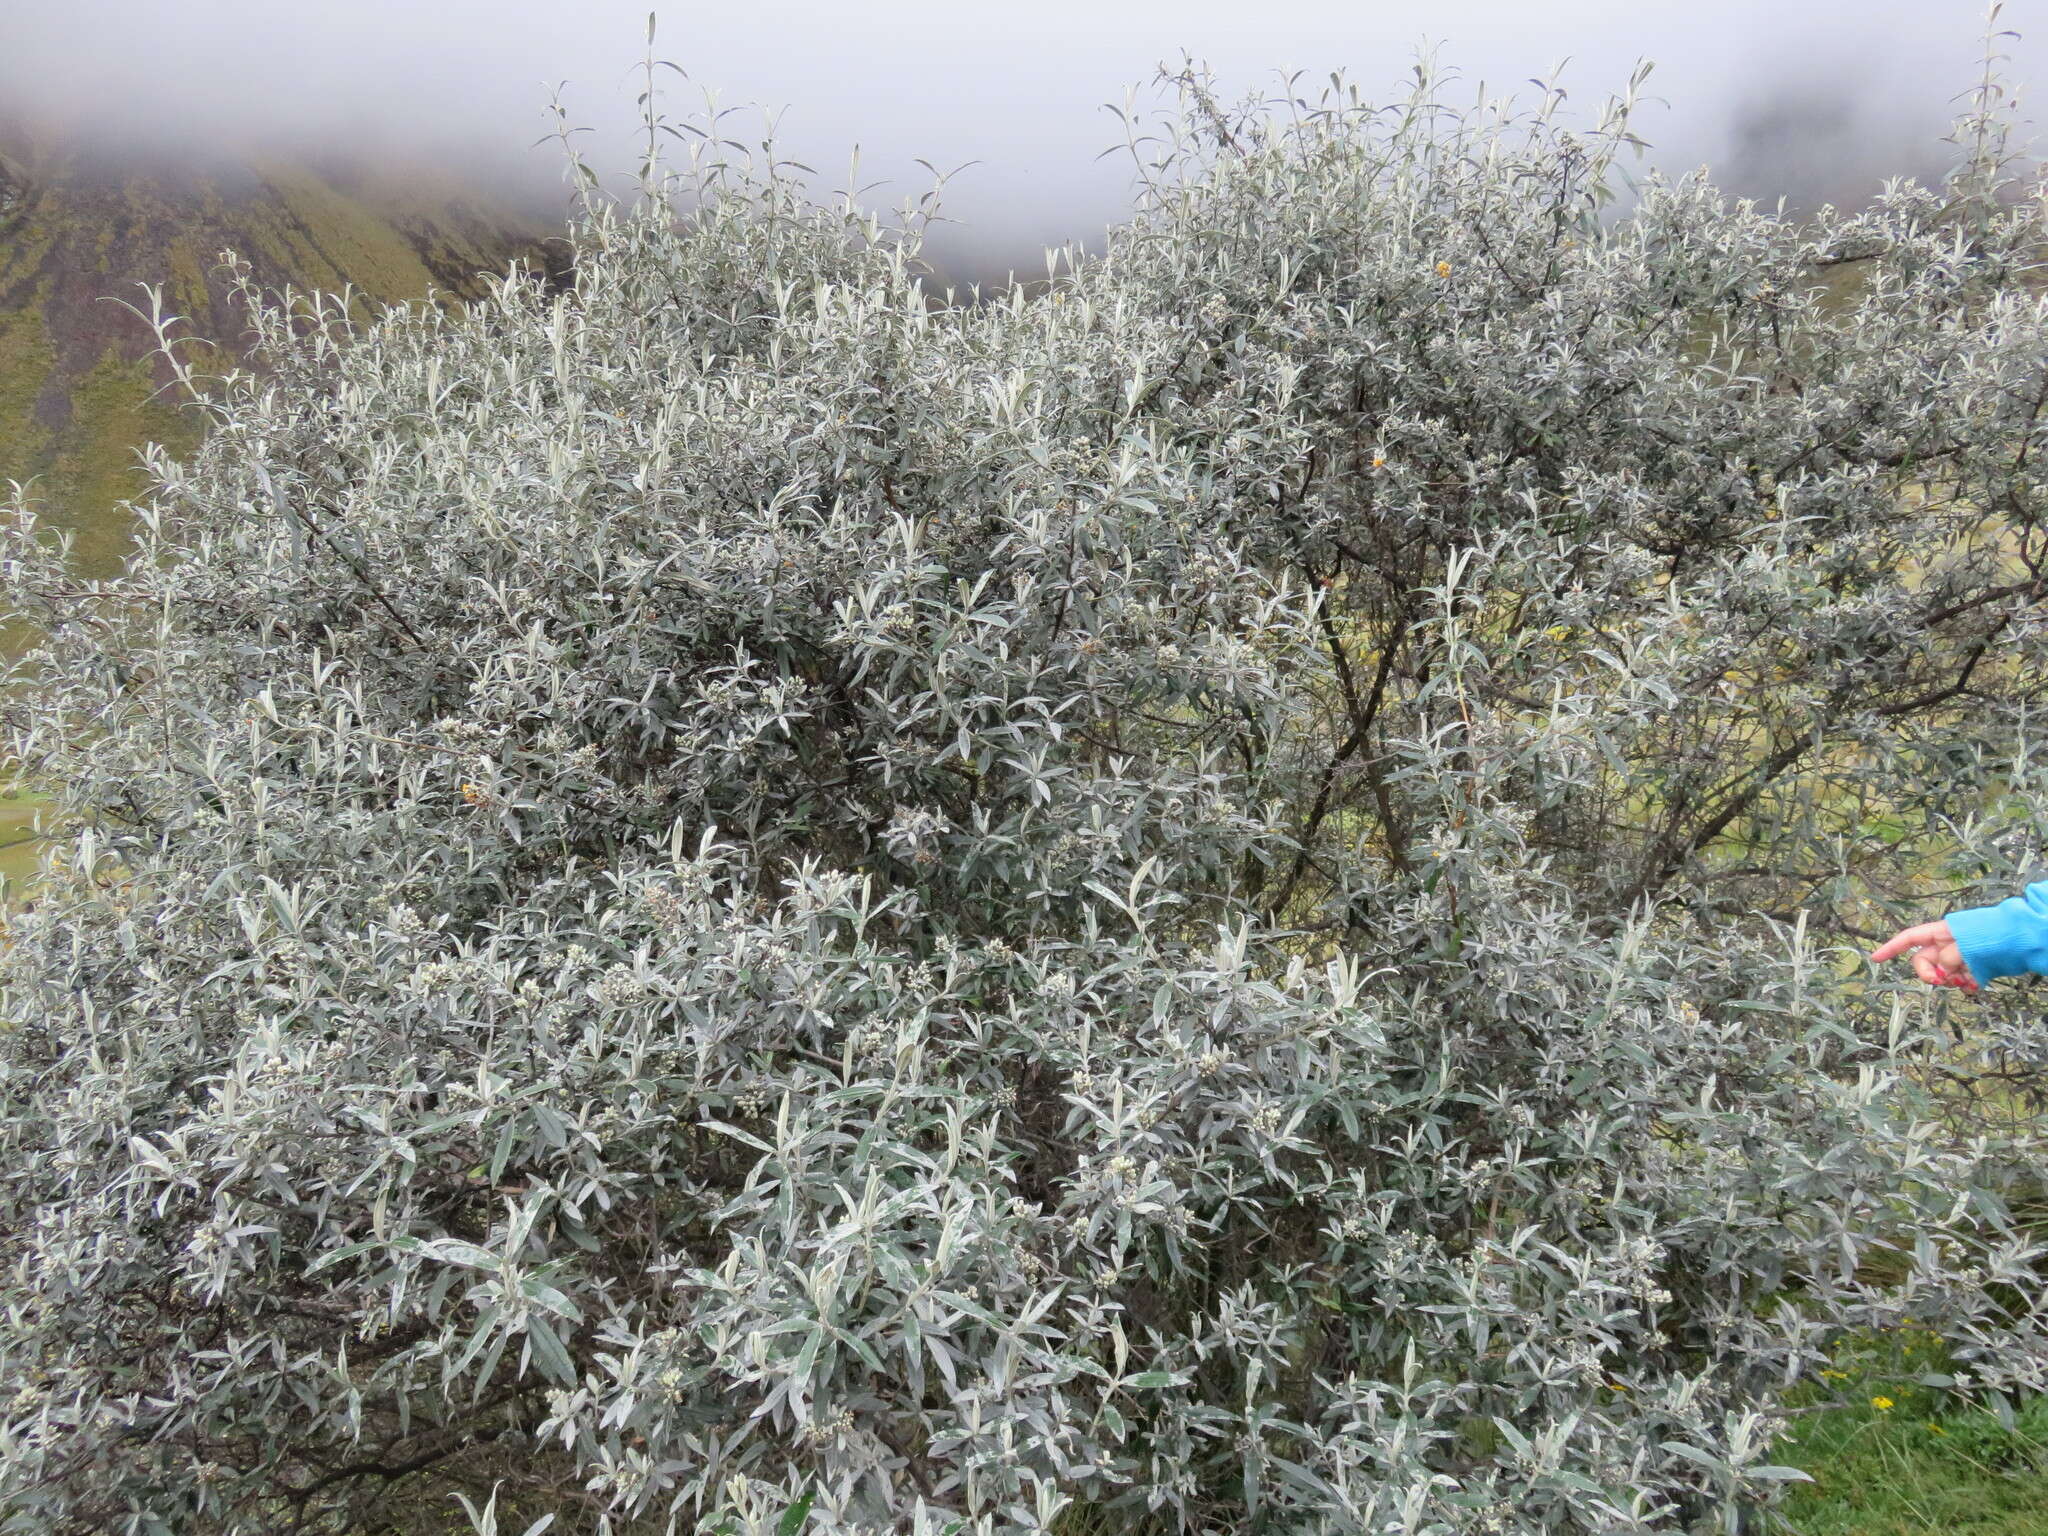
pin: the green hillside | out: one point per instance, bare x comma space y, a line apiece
79, 389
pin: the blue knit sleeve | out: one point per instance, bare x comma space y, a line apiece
2005, 939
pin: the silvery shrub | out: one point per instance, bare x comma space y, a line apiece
1224, 896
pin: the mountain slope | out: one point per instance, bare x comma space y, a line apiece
79, 388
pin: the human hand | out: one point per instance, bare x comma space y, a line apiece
1936, 959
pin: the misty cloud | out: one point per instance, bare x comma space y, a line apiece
1809, 98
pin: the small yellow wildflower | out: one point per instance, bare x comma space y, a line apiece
1443, 269
1936, 1428
474, 794
1379, 461
1828, 1375
1881, 1404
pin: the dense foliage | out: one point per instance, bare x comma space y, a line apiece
739, 900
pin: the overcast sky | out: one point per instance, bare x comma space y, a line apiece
1814, 97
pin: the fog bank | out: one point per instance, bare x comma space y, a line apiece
1808, 98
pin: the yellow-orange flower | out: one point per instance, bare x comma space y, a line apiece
474, 794
1881, 1404
1443, 269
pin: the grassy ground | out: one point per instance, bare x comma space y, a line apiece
19, 843
1893, 1455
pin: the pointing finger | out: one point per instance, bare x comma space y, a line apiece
1907, 938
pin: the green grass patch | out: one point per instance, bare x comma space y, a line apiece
1892, 1452
26, 358
116, 407
21, 839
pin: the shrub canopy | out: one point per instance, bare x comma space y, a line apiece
738, 899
